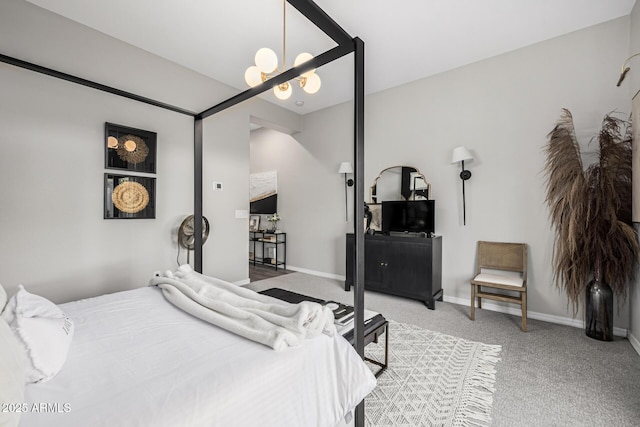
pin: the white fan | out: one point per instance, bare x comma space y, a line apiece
186, 234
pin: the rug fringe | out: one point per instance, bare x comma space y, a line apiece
479, 388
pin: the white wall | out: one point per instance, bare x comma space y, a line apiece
312, 214
226, 160
502, 109
54, 239
311, 196
226, 151
632, 82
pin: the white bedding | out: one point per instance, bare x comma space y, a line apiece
137, 360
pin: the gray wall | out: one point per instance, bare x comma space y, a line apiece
54, 239
632, 82
501, 109
310, 193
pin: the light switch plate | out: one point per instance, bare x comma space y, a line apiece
217, 186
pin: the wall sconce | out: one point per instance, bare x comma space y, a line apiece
346, 168
460, 154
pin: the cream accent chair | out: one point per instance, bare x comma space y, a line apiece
497, 267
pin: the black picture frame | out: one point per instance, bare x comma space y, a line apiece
254, 223
129, 148
129, 196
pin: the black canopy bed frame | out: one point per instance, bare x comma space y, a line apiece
345, 45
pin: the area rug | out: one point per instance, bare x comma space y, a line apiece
432, 380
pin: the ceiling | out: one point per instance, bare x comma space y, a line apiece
404, 40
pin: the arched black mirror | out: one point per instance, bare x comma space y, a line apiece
399, 183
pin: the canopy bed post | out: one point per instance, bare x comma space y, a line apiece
197, 193
358, 208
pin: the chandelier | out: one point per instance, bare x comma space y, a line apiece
267, 67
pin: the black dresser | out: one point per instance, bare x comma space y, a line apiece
404, 265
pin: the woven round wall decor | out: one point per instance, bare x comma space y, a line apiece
132, 149
130, 197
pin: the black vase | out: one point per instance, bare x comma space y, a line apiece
599, 311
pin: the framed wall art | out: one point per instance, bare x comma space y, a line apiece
129, 197
254, 223
130, 149
263, 193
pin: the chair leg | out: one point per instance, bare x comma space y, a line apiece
473, 302
524, 311
478, 296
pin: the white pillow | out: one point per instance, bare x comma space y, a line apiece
3, 298
44, 330
12, 373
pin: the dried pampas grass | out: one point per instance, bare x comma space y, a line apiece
591, 209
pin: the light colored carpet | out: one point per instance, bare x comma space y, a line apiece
552, 375
432, 380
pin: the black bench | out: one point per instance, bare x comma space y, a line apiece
374, 328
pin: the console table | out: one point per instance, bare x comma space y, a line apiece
266, 242
403, 265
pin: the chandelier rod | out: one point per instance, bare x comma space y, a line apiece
284, 35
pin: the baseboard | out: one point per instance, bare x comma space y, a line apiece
316, 273
244, 282
560, 320
635, 343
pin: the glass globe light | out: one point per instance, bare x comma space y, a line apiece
252, 76
266, 60
302, 58
311, 84
282, 91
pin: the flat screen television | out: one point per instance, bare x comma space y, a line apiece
412, 216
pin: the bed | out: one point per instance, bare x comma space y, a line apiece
137, 360
118, 363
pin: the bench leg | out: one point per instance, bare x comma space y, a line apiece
473, 302
524, 312
383, 365
386, 349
